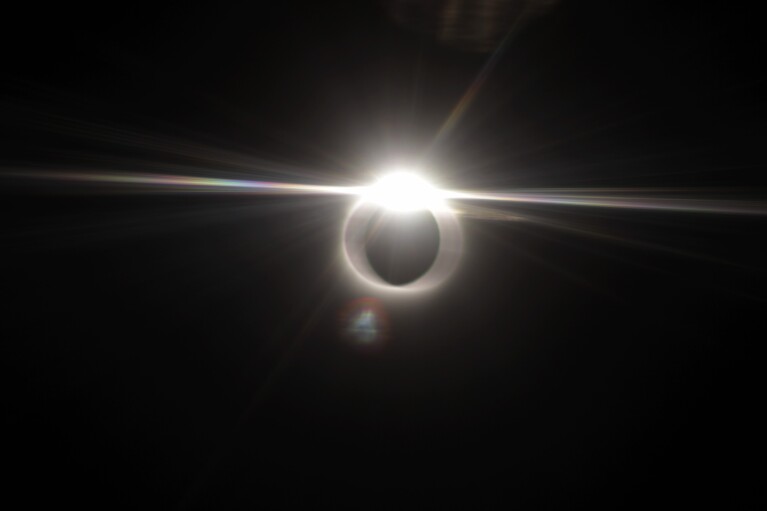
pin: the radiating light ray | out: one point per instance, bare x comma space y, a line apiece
164, 149
471, 93
575, 228
625, 201
543, 262
472, 211
591, 232
186, 184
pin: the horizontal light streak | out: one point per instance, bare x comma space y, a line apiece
169, 182
631, 202
624, 198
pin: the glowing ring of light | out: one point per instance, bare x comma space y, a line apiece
448, 252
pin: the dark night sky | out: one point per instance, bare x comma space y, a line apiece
184, 350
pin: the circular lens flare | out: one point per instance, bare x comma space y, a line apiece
364, 322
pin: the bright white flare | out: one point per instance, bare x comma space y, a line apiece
403, 191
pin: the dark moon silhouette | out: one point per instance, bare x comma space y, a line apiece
401, 247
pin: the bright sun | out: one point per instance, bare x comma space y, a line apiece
403, 191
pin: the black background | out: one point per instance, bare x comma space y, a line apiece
184, 350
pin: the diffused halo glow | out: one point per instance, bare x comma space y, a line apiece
401, 192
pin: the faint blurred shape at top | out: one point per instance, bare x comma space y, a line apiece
473, 25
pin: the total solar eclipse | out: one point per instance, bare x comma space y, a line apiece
401, 235
480, 254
